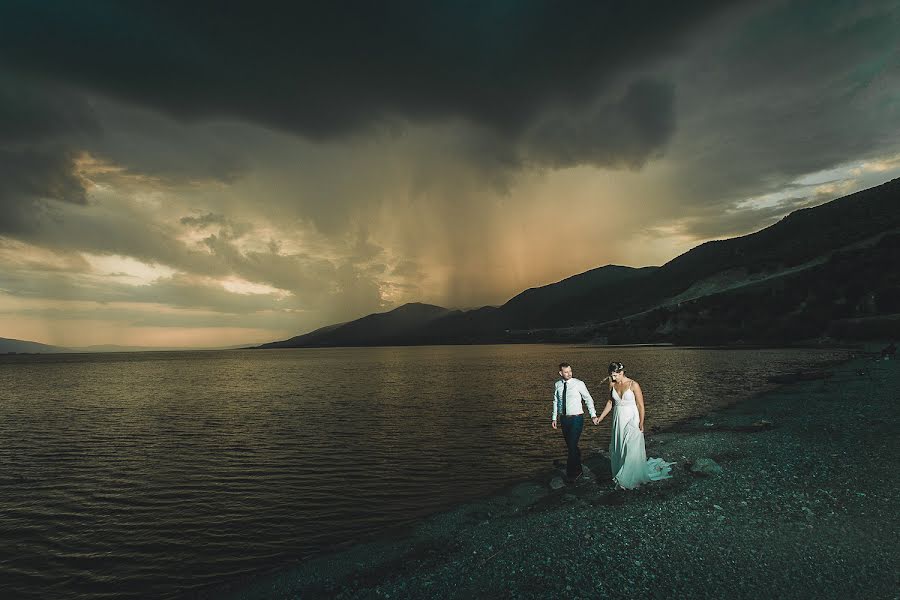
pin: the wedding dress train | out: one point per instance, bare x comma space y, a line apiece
627, 454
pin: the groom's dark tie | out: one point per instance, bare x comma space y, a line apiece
565, 383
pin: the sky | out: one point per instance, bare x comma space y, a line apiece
208, 174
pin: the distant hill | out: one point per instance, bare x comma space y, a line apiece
853, 294
827, 271
804, 236
375, 329
552, 304
22, 346
8, 345
108, 348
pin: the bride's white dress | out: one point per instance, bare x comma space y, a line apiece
630, 467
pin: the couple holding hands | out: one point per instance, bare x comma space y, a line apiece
627, 453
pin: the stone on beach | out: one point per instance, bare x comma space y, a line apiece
557, 483
526, 494
587, 474
706, 466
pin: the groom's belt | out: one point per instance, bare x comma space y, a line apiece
573, 415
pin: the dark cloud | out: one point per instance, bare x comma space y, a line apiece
41, 174
28, 178
335, 68
741, 221
46, 127
204, 221
177, 153
228, 229
625, 132
33, 112
97, 229
42, 127
793, 89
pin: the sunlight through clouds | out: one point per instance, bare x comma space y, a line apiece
266, 208
127, 269
240, 286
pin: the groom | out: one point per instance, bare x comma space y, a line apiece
567, 396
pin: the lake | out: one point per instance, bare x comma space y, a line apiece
154, 474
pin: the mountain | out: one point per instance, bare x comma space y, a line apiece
827, 271
851, 294
376, 329
800, 239
20, 346
8, 345
541, 306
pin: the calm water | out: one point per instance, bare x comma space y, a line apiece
154, 474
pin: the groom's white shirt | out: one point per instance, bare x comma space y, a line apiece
576, 391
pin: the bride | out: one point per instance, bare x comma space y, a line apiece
627, 454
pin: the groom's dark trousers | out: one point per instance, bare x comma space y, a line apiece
571, 428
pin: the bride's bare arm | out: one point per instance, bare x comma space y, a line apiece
639, 399
606, 409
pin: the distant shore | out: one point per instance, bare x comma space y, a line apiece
811, 343
805, 506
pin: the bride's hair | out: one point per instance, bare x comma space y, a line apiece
614, 367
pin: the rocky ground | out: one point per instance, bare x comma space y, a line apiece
804, 506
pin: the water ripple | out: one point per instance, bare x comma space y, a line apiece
151, 475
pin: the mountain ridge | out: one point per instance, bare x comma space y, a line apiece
16, 346
581, 307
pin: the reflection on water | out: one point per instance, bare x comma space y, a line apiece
153, 474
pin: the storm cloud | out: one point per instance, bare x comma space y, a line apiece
333, 68
42, 127
290, 166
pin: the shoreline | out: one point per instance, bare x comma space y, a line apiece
807, 344
504, 545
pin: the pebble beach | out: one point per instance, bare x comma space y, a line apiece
792, 495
